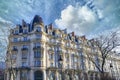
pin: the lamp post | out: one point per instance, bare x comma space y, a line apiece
111, 66
60, 60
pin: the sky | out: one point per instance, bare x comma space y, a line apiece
84, 17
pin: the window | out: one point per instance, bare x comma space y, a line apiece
14, 47
16, 32
25, 31
24, 64
51, 65
25, 39
14, 56
38, 36
37, 63
75, 59
15, 40
38, 29
25, 46
24, 55
37, 44
37, 54
50, 56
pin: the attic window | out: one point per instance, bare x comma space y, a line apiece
16, 32
38, 29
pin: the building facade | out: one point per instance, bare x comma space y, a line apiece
35, 50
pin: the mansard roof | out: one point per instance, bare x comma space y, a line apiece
37, 19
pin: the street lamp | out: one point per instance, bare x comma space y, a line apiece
111, 66
60, 60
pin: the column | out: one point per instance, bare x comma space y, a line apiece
31, 75
44, 75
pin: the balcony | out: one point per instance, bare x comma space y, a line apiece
24, 49
28, 40
24, 68
36, 47
15, 33
24, 57
15, 49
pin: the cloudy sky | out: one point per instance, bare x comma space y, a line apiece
84, 17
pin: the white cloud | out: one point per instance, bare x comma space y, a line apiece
78, 19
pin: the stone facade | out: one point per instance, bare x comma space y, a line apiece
34, 51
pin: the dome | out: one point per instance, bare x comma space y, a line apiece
37, 19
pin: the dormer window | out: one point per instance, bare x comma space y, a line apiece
38, 29
16, 32
25, 31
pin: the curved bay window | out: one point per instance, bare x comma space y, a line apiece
38, 75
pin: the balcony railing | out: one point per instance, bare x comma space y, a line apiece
14, 49
28, 40
24, 57
24, 49
36, 47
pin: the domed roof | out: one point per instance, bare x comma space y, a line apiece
37, 19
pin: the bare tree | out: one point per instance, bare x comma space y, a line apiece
105, 45
6, 54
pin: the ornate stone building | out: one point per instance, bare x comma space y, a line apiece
39, 52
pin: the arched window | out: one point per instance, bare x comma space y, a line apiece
38, 75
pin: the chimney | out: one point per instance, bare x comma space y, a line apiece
73, 34
83, 37
23, 23
50, 26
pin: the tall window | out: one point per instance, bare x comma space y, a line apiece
25, 31
51, 56
24, 55
15, 39
51, 64
37, 54
37, 63
82, 61
37, 44
24, 64
25, 39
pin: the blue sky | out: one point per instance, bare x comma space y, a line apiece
84, 17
